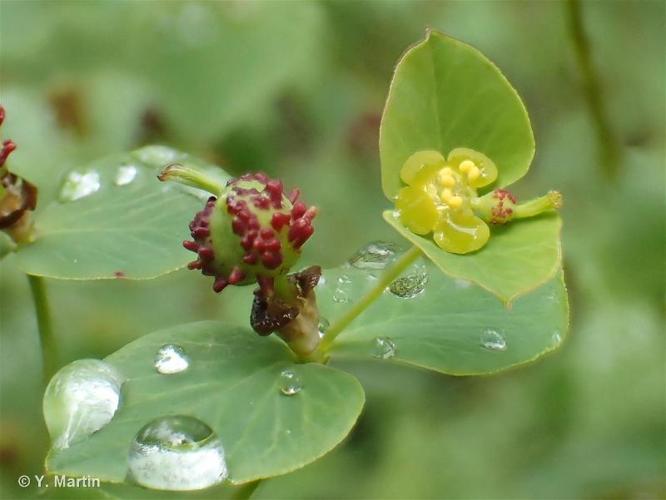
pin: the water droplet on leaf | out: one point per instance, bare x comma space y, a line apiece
171, 358
125, 175
383, 348
157, 156
80, 399
375, 256
493, 340
323, 325
79, 185
290, 382
556, 338
177, 453
412, 283
341, 293
461, 283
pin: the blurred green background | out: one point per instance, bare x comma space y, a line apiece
296, 89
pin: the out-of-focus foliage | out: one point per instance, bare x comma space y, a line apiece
296, 89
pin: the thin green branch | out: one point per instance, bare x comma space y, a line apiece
385, 280
609, 147
44, 325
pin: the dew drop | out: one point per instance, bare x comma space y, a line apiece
383, 348
493, 340
340, 296
341, 293
375, 256
556, 338
177, 453
78, 185
157, 155
290, 382
413, 283
462, 284
323, 325
125, 175
80, 399
171, 358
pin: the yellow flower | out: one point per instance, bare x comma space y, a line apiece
438, 197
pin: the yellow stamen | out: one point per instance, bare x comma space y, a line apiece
447, 180
446, 194
455, 201
466, 165
473, 173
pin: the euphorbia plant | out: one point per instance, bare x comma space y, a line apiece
478, 290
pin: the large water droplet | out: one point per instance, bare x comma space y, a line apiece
290, 382
171, 358
383, 348
177, 453
493, 340
375, 256
78, 185
80, 399
412, 283
125, 175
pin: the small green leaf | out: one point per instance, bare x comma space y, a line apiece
446, 94
232, 384
114, 219
518, 257
451, 326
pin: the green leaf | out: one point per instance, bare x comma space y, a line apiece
7, 245
446, 94
233, 385
133, 230
445, 327
517, 258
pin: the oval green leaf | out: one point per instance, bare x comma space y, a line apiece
114, 219
517, 258
233, 385
446, 94
452, 326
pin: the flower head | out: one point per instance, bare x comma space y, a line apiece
439, 197
253, 231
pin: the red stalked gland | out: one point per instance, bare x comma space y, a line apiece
250, 258
206, 254
298, 210
294, 194
219, 285
279, 220
271, 260
192, 246
236, 276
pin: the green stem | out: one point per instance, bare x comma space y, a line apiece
531, 208
44, 325
191, 177
385, 280
609, 148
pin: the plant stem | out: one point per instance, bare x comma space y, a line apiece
44, 325
609, 148
532, 208
385, 280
